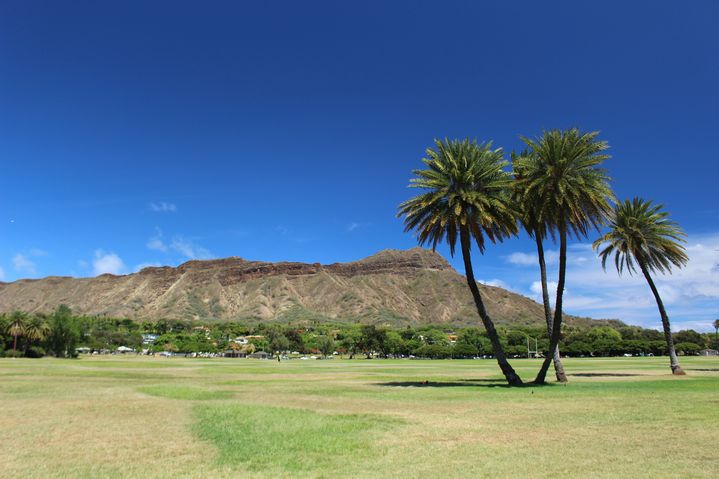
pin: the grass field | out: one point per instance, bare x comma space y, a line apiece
159, 417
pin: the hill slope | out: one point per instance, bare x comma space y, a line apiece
415, 286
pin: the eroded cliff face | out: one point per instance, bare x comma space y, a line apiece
392, 286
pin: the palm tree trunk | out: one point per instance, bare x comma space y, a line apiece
512, 377
558, 366
557, 323
14, 343
673, 361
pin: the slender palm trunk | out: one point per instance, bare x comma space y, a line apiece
512, 377
557, 323
673, 361
558, 366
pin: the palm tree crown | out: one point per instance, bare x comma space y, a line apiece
16, 325
640, 232
467, 187
37, 328
561, 179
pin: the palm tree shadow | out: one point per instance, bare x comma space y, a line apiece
606, 375
476, 383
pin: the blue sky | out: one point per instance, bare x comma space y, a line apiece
137, 133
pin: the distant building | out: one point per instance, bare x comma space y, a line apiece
149, 338
242, 340
708, 352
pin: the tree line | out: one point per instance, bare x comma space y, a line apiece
61, 333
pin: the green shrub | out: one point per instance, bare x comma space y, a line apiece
35, 352
14, 354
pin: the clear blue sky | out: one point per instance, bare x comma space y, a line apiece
139, 133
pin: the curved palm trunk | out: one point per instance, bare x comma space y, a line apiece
557, 322
558, 366
512, 378
673, 361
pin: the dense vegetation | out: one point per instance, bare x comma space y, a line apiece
60, 333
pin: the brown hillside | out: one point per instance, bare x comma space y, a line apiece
415, 286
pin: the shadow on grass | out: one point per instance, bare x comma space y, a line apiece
713, 370
606, 375
467, 383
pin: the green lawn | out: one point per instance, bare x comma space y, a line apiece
159, 417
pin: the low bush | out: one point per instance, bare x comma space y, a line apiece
35, 352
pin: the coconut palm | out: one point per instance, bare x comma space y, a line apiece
572, 196
716, 333
529, 216
16, 327
466, 198
642, 236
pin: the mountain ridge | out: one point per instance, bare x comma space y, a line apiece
396, 287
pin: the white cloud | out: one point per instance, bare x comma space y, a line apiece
497, 283
107, 263
691, 294
163, 207
179, 244
352, 226
22, 264
520, 258
282, 230
155, 242
189, 249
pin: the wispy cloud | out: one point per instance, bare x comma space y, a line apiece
105, 262
498, 283
189, 249
163, 207
522, 259
24, 265
282, 230
352, 226
691, 294
182, 245
155, 242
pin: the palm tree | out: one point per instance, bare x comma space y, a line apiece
716, 333
37, 328
466, 198
572, 196
642, 235
16, 327
537, 228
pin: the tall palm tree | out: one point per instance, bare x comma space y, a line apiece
572, 196
466, 198
16, 327
716, 333
642, 235
537, 228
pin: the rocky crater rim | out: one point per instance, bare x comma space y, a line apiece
383, 261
